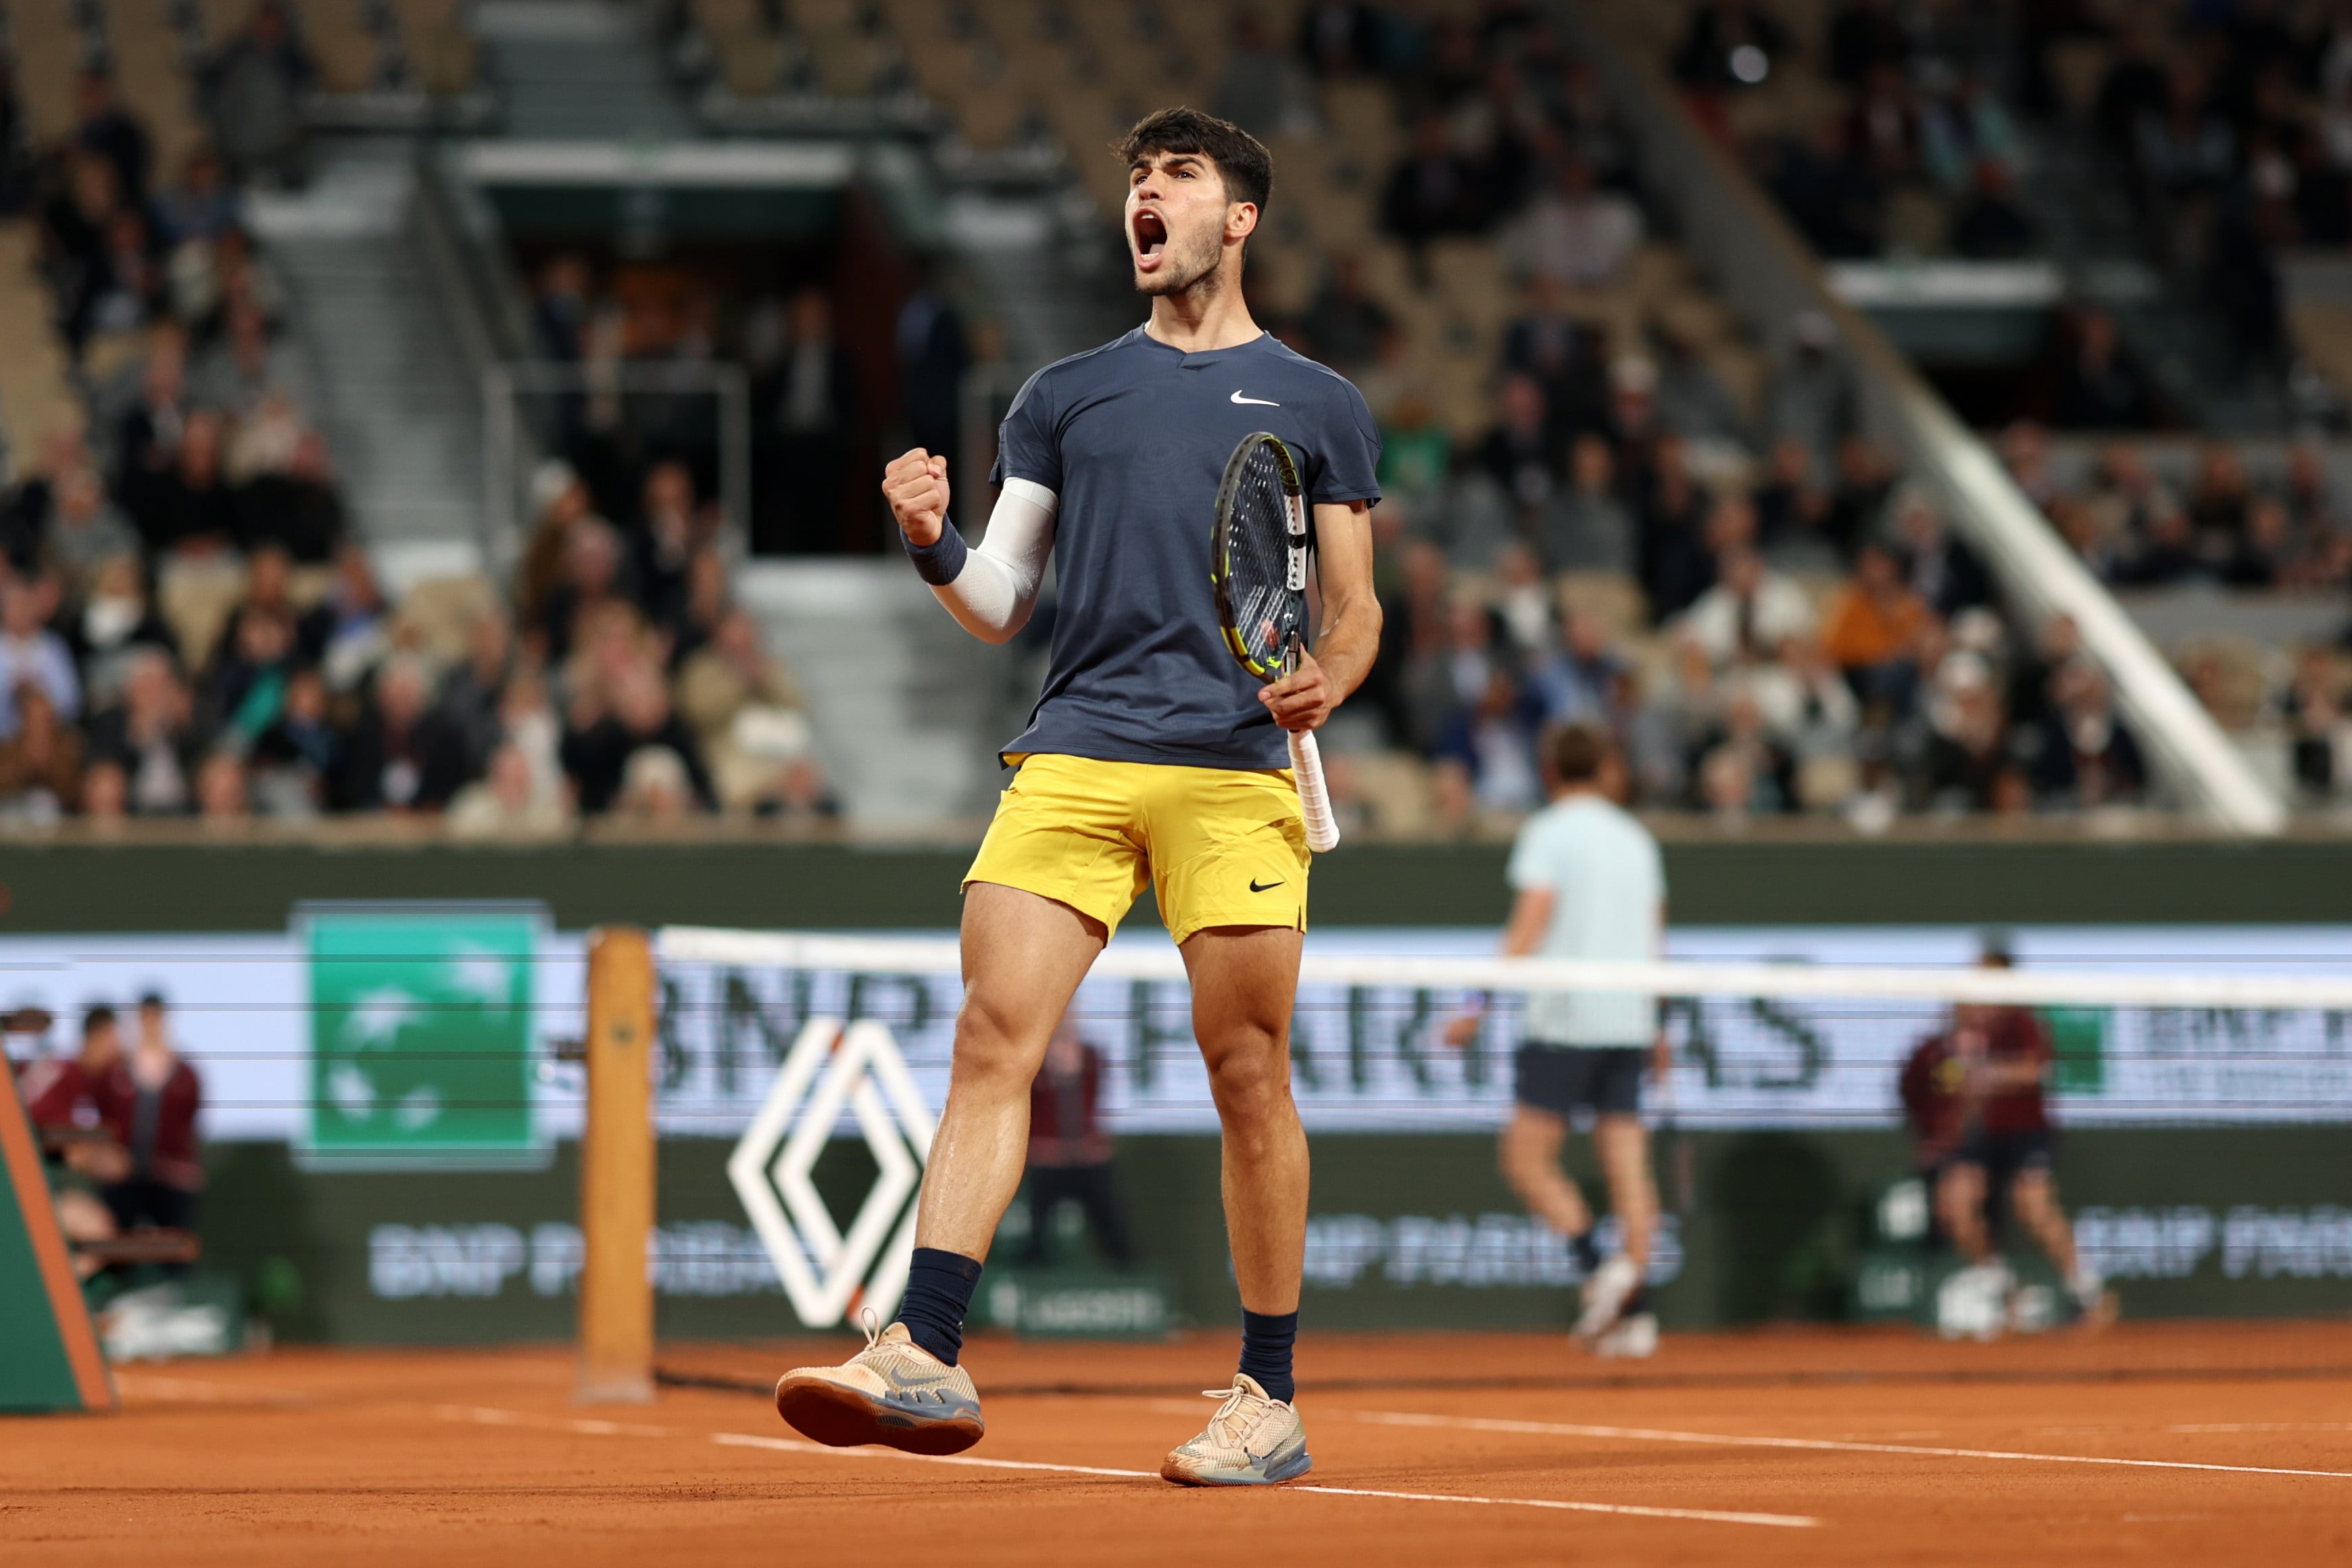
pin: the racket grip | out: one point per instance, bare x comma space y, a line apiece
1313, 796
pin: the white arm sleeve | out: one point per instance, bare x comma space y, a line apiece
992, 595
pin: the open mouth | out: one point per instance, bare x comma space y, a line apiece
1150, 239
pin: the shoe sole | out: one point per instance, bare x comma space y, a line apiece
1304, 1463
841, 1418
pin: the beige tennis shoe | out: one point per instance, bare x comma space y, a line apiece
894, 1392
1253, 1440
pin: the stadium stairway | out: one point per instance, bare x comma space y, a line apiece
578, 70
400, 410
906, 708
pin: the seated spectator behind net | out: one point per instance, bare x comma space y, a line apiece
1573, 233
1564, 356
402, 756
1942, 571
223, 790
189, 508
1989, 224
297, 506
1676, 564
198, 206
104, 127
142, 751
1748, 613
591, 580
349, 632
1263, 89
1523, 452
84, 528
1877, 630
244, 693
252, 93
1586, 527
1970, 763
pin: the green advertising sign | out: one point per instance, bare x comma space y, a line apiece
421, 1036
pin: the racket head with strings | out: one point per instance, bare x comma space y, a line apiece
1257, 557
1258, 561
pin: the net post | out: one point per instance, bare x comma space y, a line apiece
617, 1173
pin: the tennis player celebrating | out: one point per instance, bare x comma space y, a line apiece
1152, 754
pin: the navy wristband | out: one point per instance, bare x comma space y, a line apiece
940, 563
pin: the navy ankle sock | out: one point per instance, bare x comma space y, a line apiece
938, 1292
1266, 1339
1587, 1251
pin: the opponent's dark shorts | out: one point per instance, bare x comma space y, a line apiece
1565, 1079
2005, 1156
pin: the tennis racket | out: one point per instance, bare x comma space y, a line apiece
1257, 559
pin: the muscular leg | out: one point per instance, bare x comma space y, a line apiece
1624, 1147
1244, 979
1531, 1149
1959, 1203
1023, 958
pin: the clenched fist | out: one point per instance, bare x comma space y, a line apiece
916, 485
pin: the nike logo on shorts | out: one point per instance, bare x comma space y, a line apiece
1261, 402
1268, 888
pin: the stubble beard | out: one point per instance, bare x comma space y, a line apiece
1197, 275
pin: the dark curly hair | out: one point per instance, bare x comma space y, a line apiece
1244, 164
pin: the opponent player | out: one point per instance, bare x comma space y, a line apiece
1151, 756
1994, 1062
1589, 884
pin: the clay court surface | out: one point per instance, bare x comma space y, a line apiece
2150, 1444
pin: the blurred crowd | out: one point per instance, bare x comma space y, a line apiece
1769, 620
2219, 525
186, 628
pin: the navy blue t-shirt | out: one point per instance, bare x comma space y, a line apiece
1134, 438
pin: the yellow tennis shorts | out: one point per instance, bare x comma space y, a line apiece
1218, 846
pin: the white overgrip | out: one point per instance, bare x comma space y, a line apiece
1314, 794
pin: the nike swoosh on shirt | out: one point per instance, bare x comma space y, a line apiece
1268, 888
1261, 402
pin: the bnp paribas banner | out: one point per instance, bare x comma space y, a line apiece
418, 1037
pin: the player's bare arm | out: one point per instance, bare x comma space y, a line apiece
1350, 639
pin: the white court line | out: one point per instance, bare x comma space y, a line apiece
1827, 1445
1714, 1516
491, 1417
2265, 1426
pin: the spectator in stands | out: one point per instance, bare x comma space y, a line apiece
1791, 505
1748, 613
74, 222
1069, 1152
1263, 89
1989, 224
41, 763
190, 509
32, 655
295, 762
473, 690
298, 507
1341, 37
1521, 453
85, 529
559, 313
1346, 322
1965, 129
1563, 354
241, 369
2085, 755
1573, 233
149, 1100
669, 532
934, 353
1583, 681
2135, 89
1882, 129
805, 401
1675, 562
1488, 744
197, 207
1431, 193
222, 792
245, 692
147, 440
655, 787
1865, 479
114, 619
1877, 627
147, 742
591, 580
1690, 400
2100, 389
1812, 400
510, 801
350, 631
103, 126
122, 288
401, 755
2319, 724
253, 94
745, 712
1730, 45
1586, 527
1946, 573
1967, 750
597, 754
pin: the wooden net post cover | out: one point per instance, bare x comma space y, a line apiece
617, 1173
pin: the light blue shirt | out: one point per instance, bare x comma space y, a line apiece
1608, 882
42, 660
